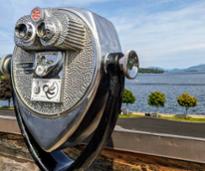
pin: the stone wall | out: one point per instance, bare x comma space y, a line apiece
14, 156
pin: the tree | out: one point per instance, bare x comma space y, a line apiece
151, 70
1, 76
186, 100
128, 97
157, 99
5, 90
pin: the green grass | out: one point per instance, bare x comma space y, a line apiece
125, 116
6, 108
178, 118
183, 119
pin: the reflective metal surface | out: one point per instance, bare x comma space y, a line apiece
49, 64
62, 95
80, 74
5, 65
130, 64
46, 90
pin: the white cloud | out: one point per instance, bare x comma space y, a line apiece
12, 10
163, 32
159, 35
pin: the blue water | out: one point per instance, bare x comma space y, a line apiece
170, 84
4, 103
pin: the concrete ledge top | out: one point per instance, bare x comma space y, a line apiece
158, 144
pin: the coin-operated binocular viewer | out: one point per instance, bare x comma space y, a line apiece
67, 73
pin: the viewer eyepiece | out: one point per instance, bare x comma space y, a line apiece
24, 31
41, 30
45, 31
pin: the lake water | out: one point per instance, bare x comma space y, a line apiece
4, 103
170, 84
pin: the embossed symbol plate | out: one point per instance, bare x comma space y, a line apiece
46, 90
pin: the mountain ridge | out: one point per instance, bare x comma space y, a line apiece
192, 69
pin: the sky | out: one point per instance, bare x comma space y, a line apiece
164, 33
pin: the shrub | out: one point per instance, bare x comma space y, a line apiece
128, 97
5, 90
157, 99
187, 101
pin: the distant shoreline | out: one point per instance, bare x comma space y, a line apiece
172, 73
192, 69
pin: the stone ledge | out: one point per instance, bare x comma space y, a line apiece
14, 156
14, 164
